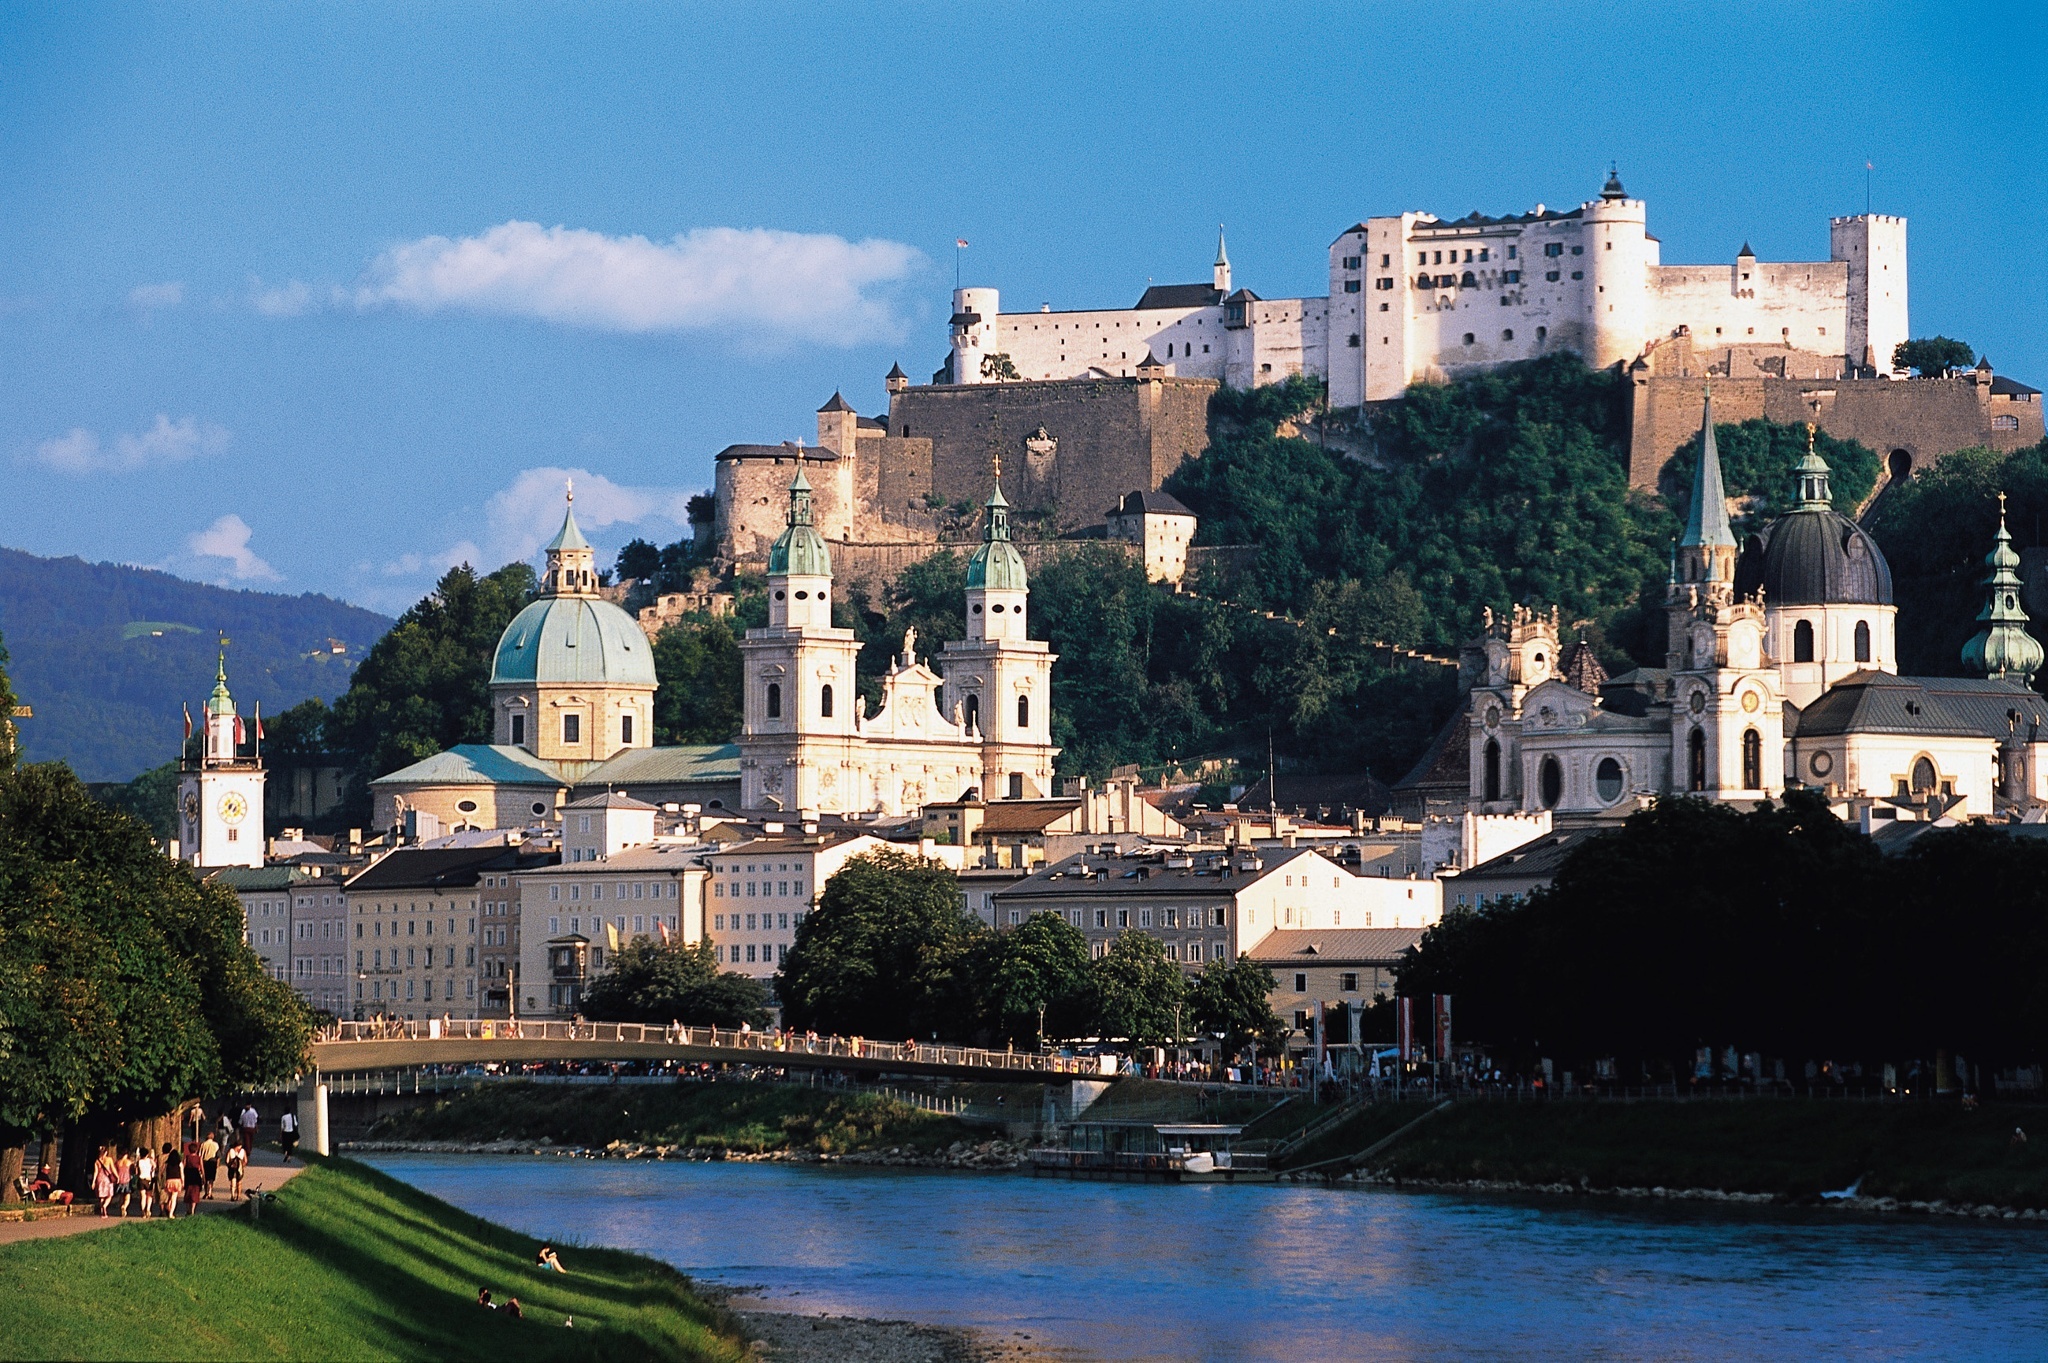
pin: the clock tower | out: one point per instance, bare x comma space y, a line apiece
220, 796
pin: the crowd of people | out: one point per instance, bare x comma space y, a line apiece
144, 1182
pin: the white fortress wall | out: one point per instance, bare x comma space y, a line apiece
1281, 337
1065, 345
1801, 304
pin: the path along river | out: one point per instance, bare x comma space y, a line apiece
1121, 1271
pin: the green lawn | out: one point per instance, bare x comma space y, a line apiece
346, 1264
1912, 1151
753, 1117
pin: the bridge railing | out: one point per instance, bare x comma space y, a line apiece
768, 1045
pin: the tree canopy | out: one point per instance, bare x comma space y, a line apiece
1781, 931
884, 954
661, 982
1934, 357
1042, 963
697, 665
1758, 459
425, 686
126, 985
1140, 995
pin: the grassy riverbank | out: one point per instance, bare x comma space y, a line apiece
756, 1118
345, 1263
1790, 1148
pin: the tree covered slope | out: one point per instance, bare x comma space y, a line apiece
106, 655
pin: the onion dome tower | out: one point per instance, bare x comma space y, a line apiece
1000, 678
799, 566
573, 677
2003, 650
996, 584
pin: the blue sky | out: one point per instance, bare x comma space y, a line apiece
317, 298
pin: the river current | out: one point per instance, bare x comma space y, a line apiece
1285, 1272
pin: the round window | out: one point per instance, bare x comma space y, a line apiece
803, 596
539, 807
995, 610
1550, 783
1698, 703
1493, 716
466, 806
780, 595
1607, 780
977, 608
1820, 764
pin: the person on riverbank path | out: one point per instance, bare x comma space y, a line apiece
209, 1163
174, 1180
238, 1160
288, 1133
106, 1176
145, 1180
249, 1122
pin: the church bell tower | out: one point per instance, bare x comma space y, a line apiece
220, 794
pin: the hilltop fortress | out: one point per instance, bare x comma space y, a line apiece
1087, 407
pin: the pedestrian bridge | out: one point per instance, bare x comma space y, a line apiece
349, 1047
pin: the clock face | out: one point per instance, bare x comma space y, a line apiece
192, 806
233, 807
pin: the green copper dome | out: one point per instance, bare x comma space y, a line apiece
800, 550
2003, 650
997, 566
573, 639
220, 703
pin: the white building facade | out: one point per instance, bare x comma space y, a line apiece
1417, 298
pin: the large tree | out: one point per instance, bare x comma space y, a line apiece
425, 686
1233, 1000
697, 663
670, 982
128, 985
1140, 995
8, 703
1039, 968
1932, 357
885, 954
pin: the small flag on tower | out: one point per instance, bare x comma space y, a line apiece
960, 243
188, 722
241, 734
259, 726
664, 931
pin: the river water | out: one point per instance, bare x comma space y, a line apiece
1284, 1272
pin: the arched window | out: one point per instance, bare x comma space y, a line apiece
1862, 641
973, 712
1802, 642
1492, 769
1923, 777
1023, 712
1607, 780
1752, 760
825, 702
1696, 760
775, 700
1550, 782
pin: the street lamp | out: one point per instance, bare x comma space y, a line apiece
1041, 1024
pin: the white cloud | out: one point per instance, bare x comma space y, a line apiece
146, 297
228, 538
286, 300
756, 282
80, 451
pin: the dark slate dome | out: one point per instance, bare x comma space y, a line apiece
1814, 557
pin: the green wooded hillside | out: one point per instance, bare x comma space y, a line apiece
106, 653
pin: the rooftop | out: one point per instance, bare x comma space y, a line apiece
441, 868
477, 764
1209, 874
1179, 296
1335, 946
1542, 858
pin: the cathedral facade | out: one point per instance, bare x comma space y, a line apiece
980, 721
1781, 669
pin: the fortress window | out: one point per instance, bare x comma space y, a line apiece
1554, 248
1610, 246
1508, 335
1511, 253
1541, 332
1802, 642
825, 703
1351, 286
1353, 343
1468, 281
774, 700
1483, 253
1383, 282
1862, 642
572, 728
1468, 338
1581, 274
1550, 275
1352, 262
1023, 712
1383, 260
1383, 307
1578, 250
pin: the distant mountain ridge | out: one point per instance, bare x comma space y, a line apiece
107, 655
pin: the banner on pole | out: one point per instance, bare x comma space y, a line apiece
1404, 1027
1440, 1008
